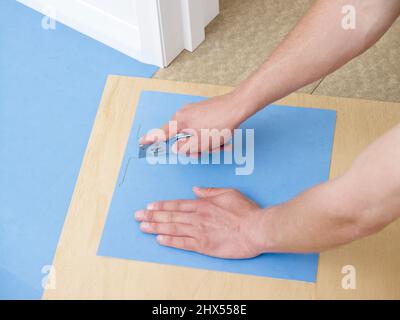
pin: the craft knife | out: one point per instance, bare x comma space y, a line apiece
160, 147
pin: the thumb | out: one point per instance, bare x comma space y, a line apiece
154, 135
209, 192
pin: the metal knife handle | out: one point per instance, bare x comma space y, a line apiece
182, 135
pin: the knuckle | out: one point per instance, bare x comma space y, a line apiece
159, 205
149, 215
207, 207
173, 228
154, 227
203, 216
179, 205
167, 240
200, 203
169, 217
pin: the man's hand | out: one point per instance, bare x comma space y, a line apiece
220, 114
220, 222
224, 223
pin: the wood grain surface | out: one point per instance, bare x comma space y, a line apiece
80, 273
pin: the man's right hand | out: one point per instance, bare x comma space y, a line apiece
220, 114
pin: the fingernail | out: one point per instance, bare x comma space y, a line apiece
146, 140
145, 226
160, 238
139, 214
151, 206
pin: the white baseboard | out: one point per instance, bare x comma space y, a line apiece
211, 10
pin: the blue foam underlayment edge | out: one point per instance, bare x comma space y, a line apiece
14, 288
34, 58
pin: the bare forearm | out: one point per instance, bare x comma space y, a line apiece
312, 222
359, 203
317, 46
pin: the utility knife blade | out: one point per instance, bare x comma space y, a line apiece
160, 148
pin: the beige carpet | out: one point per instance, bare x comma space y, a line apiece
375, 75
247, 31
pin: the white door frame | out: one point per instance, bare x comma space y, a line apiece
161, 30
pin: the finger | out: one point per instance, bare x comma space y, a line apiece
174, 205
184, 243
186, 146
168, 131
192, 147
225, 148
171, 229
209, 192
221, 149
164, 216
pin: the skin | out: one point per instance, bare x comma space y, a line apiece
223, 222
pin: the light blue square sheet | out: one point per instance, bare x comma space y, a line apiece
292, 153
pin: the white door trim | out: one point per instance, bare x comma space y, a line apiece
163, 28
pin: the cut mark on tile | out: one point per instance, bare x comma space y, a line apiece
125, 171
318, 84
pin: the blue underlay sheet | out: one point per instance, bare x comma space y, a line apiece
51, 82
292, 152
